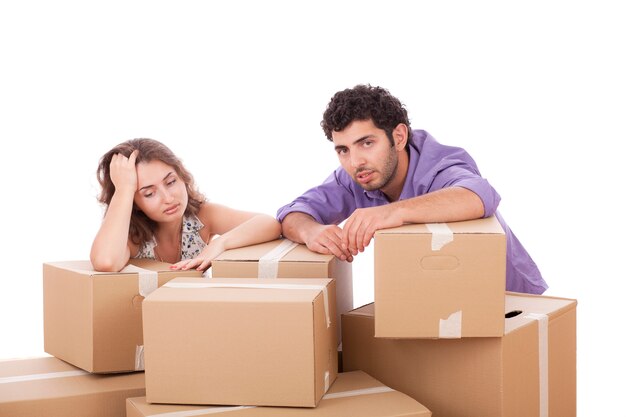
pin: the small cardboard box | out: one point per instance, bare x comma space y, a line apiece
240, 341
352, 394
529, 371
444, 280
282, 258
53, 388
93, 319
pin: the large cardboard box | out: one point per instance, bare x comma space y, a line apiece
444, 280
93, 319
282, 258
52, 388
528, 372
240, 341
352, 394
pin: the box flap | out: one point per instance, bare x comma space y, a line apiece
520, 305
489, 225
255, 252
85, 267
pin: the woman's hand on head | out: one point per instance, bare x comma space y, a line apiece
124, 171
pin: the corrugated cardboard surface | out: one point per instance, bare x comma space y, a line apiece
85, 395
358, 403
299, 262
240, 346
485, 377
416, 286
93, 319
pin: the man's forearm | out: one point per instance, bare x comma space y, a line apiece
295, 225
445, 205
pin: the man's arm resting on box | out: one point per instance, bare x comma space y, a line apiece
303, 228
444, 205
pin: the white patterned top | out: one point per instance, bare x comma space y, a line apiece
191, 243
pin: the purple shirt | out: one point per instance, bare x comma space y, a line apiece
432, 166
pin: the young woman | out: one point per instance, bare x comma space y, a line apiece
153, 210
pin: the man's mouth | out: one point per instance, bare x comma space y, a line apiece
364, 176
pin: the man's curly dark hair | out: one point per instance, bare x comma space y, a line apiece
364, 102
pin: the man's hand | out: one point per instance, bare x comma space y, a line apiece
327, 239
303, 228
360, 227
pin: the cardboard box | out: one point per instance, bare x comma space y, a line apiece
444, 280
240, 341
93, 319
53, 388
529, 371
352, 394
282, 258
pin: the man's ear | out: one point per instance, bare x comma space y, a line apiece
400, 136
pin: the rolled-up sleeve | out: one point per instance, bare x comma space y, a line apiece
329, 203
464, 175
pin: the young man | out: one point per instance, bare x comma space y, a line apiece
390, 176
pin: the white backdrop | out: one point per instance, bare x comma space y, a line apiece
534, 91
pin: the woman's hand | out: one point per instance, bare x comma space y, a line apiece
202, 261
124, 171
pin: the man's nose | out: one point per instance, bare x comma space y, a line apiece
356, 159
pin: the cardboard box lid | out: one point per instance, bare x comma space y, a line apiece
300, 253
85, 267
277, 290
352, 393
489, 225
49, 377
519, 306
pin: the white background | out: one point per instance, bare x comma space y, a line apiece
534, 91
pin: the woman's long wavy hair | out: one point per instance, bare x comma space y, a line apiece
142, 228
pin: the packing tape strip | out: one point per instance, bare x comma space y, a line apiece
36, 377
268, 263
148, 280
201, 411
450, 328
216, 410
442, 235
260, 286
354, 393
139, 363
542, 322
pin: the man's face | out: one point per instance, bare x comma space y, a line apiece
365, 153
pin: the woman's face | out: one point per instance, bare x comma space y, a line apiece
161, 194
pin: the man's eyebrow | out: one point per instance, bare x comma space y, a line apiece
359, 140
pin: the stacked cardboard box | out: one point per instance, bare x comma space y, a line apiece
443, 330
53, 388
530, 371
93, 319
282, 258
444, 280
240, 341
352, 394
